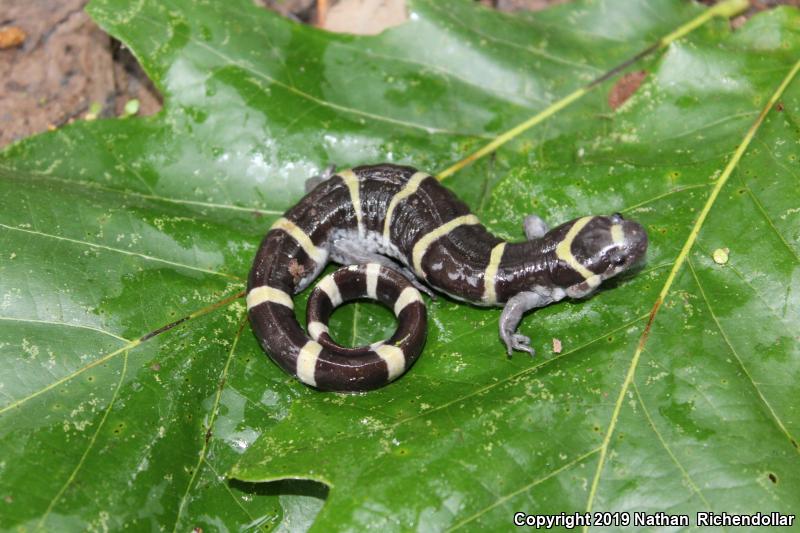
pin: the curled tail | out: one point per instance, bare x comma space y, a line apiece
316, 359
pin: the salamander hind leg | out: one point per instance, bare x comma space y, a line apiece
351, 252
313, 181
534, 227
515, 308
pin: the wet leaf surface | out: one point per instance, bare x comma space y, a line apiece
114, 229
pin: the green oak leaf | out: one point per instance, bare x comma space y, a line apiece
133, 394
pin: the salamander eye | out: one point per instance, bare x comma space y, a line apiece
618, 260
617, 217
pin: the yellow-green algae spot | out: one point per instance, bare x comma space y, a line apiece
720, 256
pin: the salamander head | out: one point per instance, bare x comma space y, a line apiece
599, 248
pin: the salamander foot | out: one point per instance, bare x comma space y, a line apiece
518, 342
534, 227
313, 181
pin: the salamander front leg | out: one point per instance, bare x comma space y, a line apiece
517, 306
534, 227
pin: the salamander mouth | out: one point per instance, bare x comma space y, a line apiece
629, 270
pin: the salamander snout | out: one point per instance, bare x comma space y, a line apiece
635, 241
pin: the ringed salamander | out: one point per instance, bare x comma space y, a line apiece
400, 230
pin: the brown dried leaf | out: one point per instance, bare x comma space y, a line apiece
12, 36
625, 87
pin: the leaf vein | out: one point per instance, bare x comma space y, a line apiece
667, 448
508, 96
680, 260
511, 44
119, 251
790, 327
492, 385
65, 324
430, 130
665, 195
89, 447
233, 496
132, 344
133, 194
775, 418
214, 410
769, 221
524, 488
